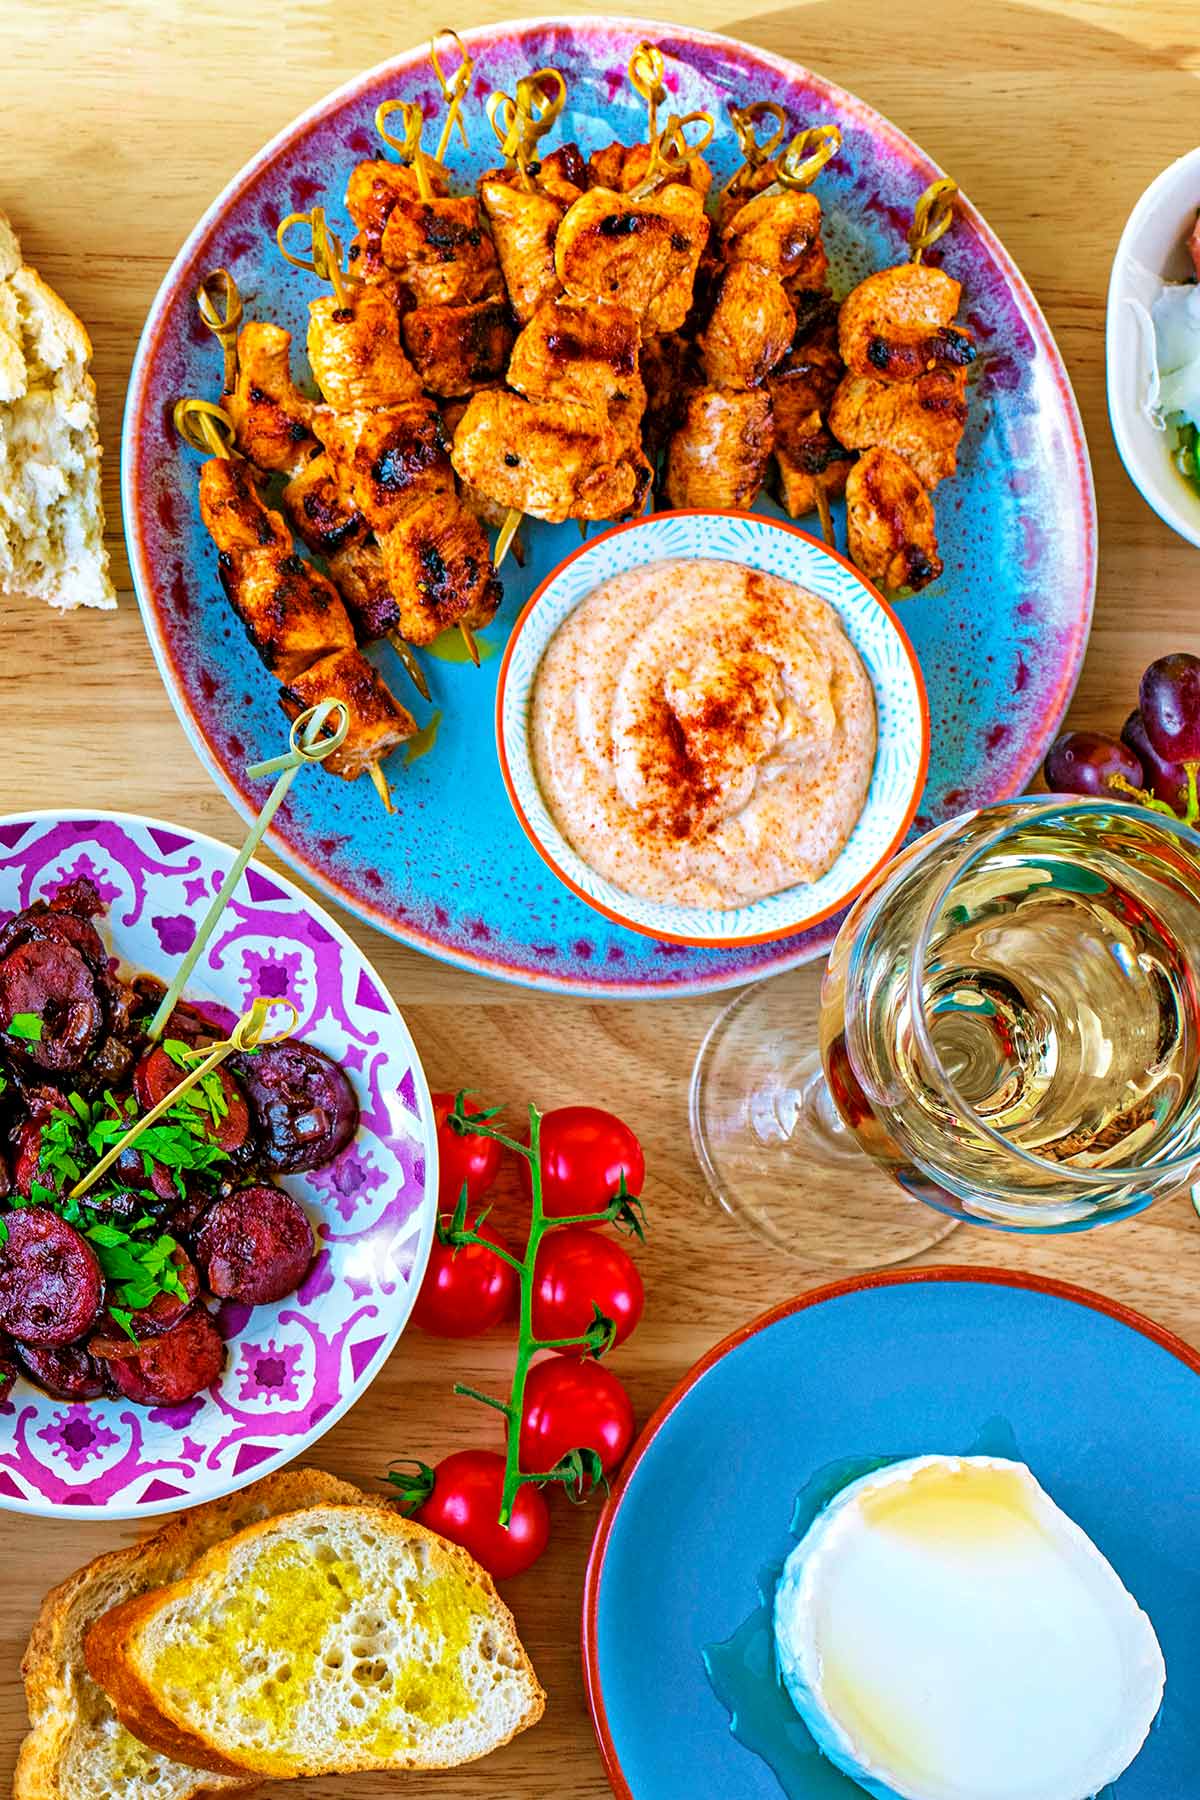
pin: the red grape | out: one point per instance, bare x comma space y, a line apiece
1169, 700
1166, 780
1085, 762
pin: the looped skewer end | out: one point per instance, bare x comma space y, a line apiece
807, 155
671, 154
933, 216
407, 148
225, 324
454, 89
309, 740
521, 123
204, 427
325, 250
745, 121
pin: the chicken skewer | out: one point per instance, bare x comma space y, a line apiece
770, 244
384, 439
903, 402
293, 615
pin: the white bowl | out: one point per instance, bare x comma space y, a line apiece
902, 710
1151, 250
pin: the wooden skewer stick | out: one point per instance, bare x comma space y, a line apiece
506, 534
310, 742
933, 216
407, 148
247, 1034
223, 325
468, 638
325, 261
454, 90
824, 514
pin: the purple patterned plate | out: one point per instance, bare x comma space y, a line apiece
292, 1368
1000, 638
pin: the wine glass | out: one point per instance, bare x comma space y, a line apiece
1009, 1027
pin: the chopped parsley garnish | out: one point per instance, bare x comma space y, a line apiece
27, 1026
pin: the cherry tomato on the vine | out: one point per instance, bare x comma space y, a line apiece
471, 1159
585, 1152
573, 1406
460, 1500
465, 1291
578, 1270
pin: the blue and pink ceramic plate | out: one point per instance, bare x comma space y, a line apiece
1102, 1404
1000, 638
293, 1368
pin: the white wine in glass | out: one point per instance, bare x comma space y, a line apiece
1009, 1027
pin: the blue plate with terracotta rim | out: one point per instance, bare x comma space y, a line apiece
1000, 637
1101, 1403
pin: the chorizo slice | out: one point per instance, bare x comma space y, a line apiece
52, 983
51, 1287
303, 1104
169, 1369
68, 1372
67, 919
111, 1344
255, 1245
157, 1073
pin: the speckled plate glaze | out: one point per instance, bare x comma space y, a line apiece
1000, 638
293, 1368
901, 712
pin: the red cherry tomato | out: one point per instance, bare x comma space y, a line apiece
465, 1291
573, 1406
578, 1270
464, 1506
585, 1152
471, 1159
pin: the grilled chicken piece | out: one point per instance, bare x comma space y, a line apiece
293, 616
376, 185
719, 455
271, 417
774, 231
890, 524
320, 514
581, 351
663, 365
549, 458
524, 226
441, 251
388, 458
489, 512
456, 349
438, 564
750, 328
378, 723
921, 420
896, 325
362, 581
563, 173
807, 453
622, 167
643, 253
356, 352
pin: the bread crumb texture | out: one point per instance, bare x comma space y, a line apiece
51, 515
340, 1645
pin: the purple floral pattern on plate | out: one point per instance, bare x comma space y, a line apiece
294, 1368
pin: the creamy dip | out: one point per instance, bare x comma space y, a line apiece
703, 733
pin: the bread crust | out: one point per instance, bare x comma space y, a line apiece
110, 1647
52, 1664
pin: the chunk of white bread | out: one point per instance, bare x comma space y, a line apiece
51, 514
339, 1638
76, 1748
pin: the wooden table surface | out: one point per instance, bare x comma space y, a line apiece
120, 125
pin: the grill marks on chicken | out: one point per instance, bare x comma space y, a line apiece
295, 618
897, 324
921, 420
525, 223
718, 456
456, 349
890, 522
808, 454
644, 253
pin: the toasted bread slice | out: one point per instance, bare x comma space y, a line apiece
51, 514
337, 1639
76, 1749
